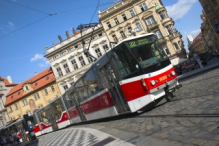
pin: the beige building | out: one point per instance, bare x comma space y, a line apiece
210, 17
67, 58
128, 18
197, 45
32, 94
5, 86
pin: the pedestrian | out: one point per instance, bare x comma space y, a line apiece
11, 139
3, 141
197, 59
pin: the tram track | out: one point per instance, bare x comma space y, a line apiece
181, 115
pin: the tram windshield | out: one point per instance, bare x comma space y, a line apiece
144, 51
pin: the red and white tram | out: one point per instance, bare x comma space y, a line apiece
125, 79
128, 77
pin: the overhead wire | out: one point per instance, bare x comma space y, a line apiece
52, 14
28, 7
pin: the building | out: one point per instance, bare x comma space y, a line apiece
128, 18
32, 94
67, 58
210, 18
5, 87
197, 45
190, 40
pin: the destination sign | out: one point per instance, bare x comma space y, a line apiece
140, 41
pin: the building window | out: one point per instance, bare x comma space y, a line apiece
15, 106
100, 34
143, 7
69, 50
59, 71
208, 8
92, 37
89, 58
150, 21
124, 17
47, 77
10, 110
24, 102
12, 118
123, 34
61, 54
36, 96
36, 84
26, 88
74, 64
45, 91
52, 88
65, 87
99, 54
115, 38
116, 21
138, 26
130, 29
71, 83
158, 34
166, 50
76, 46
106, 48
81, 59
54, 57
176, 46
18, 93
163, 14
132, 13
66, 68
11, 96
170, 29
108, 24
19, 116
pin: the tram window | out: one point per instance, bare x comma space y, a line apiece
69, 102
58, 107
43, 117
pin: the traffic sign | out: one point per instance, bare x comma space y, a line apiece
217, 26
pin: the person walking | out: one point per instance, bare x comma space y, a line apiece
197, 59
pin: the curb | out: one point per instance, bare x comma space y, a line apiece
199, 72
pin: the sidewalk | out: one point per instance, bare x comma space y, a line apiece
212, 64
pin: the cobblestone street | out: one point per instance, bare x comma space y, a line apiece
199, 95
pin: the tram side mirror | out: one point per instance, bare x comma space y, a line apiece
115, 56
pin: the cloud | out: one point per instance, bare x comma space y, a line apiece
37, 57
11, 25
194, 33
179, 9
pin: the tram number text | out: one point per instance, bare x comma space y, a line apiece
163, 78
132, 44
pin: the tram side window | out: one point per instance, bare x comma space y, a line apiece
58, 107
42, 117
69, 102
125, 62
93, 82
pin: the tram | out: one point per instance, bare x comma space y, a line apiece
133, 74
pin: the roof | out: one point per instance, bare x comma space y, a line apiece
7, 82
38, 81
198, 37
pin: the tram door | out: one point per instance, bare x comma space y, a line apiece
51, 118
77, 104
21, 129
112, 84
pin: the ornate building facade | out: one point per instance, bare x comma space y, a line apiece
129, 17
197, 45
5, 87
67, 58
32, 94
210, 17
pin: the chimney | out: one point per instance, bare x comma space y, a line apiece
9, 79
35, 73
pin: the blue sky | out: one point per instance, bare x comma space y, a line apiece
22, 48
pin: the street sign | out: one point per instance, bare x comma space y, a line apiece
217, 26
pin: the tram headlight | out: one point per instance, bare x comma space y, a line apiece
152, 82
173, 73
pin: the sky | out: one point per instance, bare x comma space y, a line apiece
27, 26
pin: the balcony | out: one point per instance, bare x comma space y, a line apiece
175, 35
162, 40
153, 26
166, 20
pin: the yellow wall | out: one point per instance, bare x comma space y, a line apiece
43, 100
